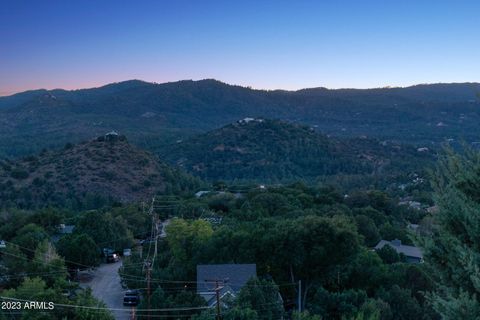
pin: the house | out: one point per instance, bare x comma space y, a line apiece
66, 228
211, 217
2, 244
230, 277
413, 227
201, 193
113, 136
412, 204
248, 119
413, 254
62, 229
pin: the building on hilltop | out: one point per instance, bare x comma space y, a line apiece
111, 136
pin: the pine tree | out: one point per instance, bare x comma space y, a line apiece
452, 251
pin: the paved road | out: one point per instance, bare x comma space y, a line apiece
106, 286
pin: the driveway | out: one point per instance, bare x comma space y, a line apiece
106, 286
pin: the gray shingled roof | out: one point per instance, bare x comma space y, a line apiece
67, 229
237, 275
409, 251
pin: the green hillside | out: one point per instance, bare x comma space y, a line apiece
275, 151
89, 175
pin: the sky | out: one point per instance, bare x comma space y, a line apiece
261, 44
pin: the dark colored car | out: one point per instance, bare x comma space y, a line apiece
112, 257
131, 298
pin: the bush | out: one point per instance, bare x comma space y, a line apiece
38, 182
147, 183
19, 174
388, 255
68, 146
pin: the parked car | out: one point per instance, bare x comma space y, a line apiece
131, 298
112, 257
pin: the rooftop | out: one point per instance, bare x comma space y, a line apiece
66, 229
236, 275
231, 277
409, 251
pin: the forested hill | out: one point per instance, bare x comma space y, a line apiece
152, 115
89, 175
276, 151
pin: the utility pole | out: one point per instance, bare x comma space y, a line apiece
148, 265
155, 221
217, 289
299, 296
133, 314
217, 293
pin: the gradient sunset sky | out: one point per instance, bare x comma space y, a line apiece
263, 44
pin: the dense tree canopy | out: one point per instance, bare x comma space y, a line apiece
314, 234
452, 250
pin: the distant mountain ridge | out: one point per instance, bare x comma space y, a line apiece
153, 115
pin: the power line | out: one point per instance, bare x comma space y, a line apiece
29, 260
217, 289
196, 282
24, 274
134, 277
148, 265
49, 256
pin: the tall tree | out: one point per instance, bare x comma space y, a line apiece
452, 252
48, 264
105, 229
263, 297
79, 250
29, 237
312, 248
185, 239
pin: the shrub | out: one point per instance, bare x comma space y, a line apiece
19, 174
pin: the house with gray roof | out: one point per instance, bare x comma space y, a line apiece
62, 230
231, 278
413, 254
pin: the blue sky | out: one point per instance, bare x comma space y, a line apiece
263, 44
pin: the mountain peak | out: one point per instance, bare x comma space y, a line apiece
108, 166
268, 150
